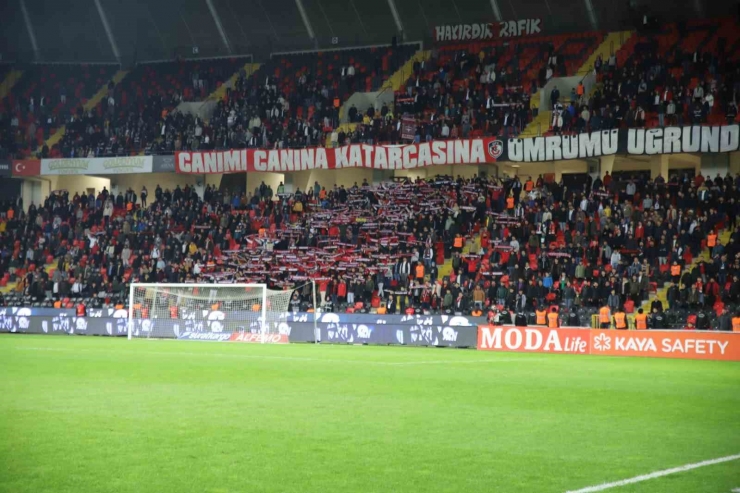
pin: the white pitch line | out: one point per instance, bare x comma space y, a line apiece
290, 358
656, 474
461, 362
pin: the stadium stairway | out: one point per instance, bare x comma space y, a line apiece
611, 44
539, 124
397, 79
444, 270
724, 239
393, 83
89, 105
220, 92
471, 245
345, 127
8, 83
11, 286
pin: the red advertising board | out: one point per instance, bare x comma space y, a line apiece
656, 344
259, 338
533, 339
667, 344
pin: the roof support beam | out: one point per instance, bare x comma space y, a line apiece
29, 28
699, 7
591, 14
306, 21
108, 31
396, 18
219, 26
496, 10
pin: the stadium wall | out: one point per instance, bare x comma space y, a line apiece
405, 330
254, 180
734, 163
35, 190
78, 183
535, 169
151, 180
334, 328
326, 178
627, 164
464, 170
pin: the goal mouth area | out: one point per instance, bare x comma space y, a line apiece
249, 313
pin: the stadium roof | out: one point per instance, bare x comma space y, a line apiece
141, 30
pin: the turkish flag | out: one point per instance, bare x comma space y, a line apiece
26, 167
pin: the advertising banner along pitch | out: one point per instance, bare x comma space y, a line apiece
653, 343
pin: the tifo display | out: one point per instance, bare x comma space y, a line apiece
604, 252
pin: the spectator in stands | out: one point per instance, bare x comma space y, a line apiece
731, 113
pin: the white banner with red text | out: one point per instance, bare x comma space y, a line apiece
379, 157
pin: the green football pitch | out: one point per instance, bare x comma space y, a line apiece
85, 414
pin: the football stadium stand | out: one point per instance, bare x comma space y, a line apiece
664, 241
653, 244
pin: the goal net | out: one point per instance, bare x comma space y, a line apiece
218, 312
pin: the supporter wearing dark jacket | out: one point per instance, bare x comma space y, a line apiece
673, 296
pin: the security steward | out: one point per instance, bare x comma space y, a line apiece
641, 320
620, 320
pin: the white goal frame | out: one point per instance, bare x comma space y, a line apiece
133, 286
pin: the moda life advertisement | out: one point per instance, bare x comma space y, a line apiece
686, 344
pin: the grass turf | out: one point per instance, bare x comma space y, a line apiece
85, 414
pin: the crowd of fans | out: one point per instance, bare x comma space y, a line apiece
42, 101
475, 91
283, 105
461, 91
289, 103
485, 88
469, 93
655, 88
294, 101
541, 244
131, 117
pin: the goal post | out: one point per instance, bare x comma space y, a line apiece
245, 312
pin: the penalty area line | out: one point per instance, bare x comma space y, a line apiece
656, 474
